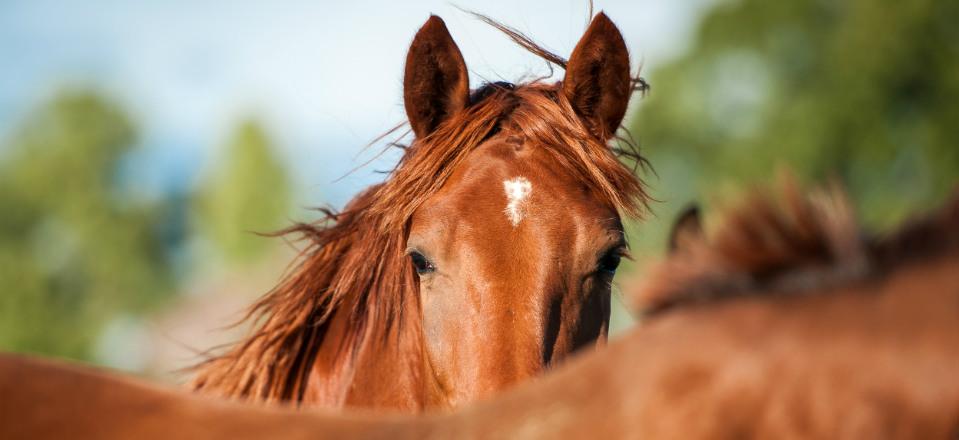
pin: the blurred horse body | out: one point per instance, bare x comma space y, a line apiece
485, 257
864, 354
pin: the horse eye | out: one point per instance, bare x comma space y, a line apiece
421, 264
609, 263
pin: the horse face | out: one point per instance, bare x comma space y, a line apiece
515, 261
515, 256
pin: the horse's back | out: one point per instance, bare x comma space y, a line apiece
50, 399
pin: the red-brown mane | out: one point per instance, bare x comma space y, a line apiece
785, 243
354, 260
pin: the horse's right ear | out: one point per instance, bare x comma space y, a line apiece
436, 84
687, 229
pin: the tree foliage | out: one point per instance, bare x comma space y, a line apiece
74, 249
247, 191
863, 91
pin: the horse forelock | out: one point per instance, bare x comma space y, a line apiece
789, 242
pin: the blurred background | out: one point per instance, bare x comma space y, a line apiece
142, 142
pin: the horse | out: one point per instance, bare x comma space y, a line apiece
787, 321
485, 258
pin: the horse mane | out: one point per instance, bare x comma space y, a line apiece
790, 242
354, 260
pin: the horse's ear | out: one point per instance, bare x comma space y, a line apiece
436, 84
597, 82
687, 229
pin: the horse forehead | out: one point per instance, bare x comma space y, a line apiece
520, 195
517, 186
502, 187
517, 189
522, 163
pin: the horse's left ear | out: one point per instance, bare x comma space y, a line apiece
436, 84
597, 82
687, 229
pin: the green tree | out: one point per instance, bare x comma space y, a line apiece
862, 90
247, 191
74, 251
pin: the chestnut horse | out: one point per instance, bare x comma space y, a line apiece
786, 322
483, 259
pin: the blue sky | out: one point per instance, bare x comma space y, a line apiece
324, 76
